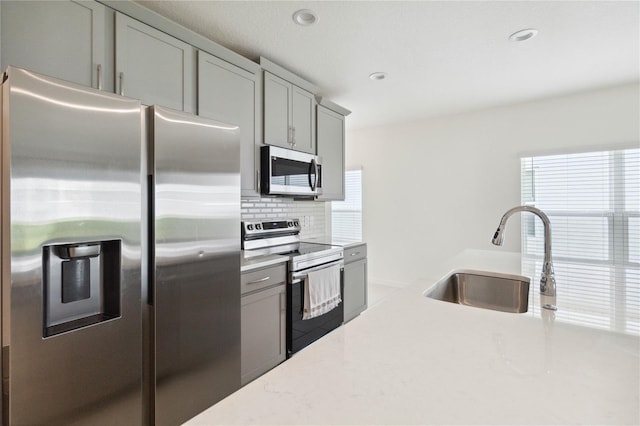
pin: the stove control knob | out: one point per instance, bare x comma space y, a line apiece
250, 227
296, 223
258, 226
289, 224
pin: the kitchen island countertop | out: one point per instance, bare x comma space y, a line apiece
414, 360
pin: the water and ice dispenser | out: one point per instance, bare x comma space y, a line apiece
81, 285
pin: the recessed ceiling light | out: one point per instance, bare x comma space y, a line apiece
523, 35
378, 76
305, 17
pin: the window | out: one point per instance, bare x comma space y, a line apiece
593, 203
346, 216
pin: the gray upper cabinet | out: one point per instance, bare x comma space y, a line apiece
277, 127
63, 39
303, 105
230, 94
153, 66
88, 43
289, 118
330, 129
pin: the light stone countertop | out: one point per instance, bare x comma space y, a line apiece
414, 360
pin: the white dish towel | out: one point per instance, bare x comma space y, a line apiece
321, 291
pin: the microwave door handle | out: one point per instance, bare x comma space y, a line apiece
315, 182
314, 166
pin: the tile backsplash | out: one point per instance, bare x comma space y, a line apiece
312, 214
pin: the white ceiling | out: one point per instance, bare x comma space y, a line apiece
442, 57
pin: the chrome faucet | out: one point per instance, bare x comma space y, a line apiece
547, 279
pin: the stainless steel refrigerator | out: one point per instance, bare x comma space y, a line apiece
120, 243
71, 252
195, 241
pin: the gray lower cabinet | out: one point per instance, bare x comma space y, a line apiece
330, 141
263, 319
355, 281
231, 94
289, 115
153, 66
63, 39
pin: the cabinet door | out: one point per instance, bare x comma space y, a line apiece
277, 95
263, 332
153, 66
330, 143
303, 120
63, 39
355, 289
229, 94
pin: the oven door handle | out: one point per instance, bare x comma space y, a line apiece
297, 277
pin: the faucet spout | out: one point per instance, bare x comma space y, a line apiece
547, 279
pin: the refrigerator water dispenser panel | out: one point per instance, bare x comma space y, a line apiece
81, 285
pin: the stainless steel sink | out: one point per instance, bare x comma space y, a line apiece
488, 290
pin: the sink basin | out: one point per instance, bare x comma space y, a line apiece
488, 290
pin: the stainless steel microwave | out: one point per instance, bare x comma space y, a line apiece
288, 172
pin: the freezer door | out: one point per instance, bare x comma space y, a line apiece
196, 236
71, 212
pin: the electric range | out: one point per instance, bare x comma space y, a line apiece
283, 237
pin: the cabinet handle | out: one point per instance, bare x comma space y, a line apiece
121, 78
289, 135
99, 77
261, 280
293, 136
283, 303
355, 254
258, 180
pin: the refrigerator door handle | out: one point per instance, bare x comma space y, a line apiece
151, 247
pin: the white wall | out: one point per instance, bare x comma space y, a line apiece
434, 187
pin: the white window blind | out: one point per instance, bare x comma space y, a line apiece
346, 216
593, 202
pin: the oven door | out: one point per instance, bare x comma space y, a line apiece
287, 172
301, 333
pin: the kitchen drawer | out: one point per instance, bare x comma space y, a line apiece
262, 278
356, 253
